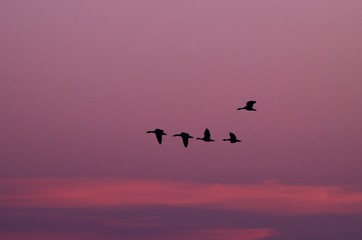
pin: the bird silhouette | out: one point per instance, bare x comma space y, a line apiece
249, 106
232, 138
159, 133
207, 136
185, 137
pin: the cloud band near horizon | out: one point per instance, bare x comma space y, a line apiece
269, 196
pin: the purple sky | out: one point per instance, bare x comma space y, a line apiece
82, 81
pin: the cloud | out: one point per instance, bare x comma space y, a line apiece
214, 234
269, 196
230, 234
44, 236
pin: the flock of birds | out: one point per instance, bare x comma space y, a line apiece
207, 136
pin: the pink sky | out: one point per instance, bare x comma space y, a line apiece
82, 81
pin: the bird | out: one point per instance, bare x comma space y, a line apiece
232, 138
185, 137
207, 136
159, 133
249, 106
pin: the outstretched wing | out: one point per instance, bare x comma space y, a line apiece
250, 104
185, 140
232, 136
159, 137
207, 134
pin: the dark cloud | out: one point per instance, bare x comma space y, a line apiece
160, 222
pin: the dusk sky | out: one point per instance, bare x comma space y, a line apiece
81, 82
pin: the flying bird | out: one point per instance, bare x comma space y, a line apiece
249, 106
185, 137
159, 133
232, 138
207, 136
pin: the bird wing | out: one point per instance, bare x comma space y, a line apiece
250, 103
159, 137
185, 140
232, 136
207, 134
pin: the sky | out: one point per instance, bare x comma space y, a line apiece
82, 81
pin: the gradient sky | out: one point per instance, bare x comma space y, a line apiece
81, 81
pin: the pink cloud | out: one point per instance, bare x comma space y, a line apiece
214, 234
269, 196
230, 234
